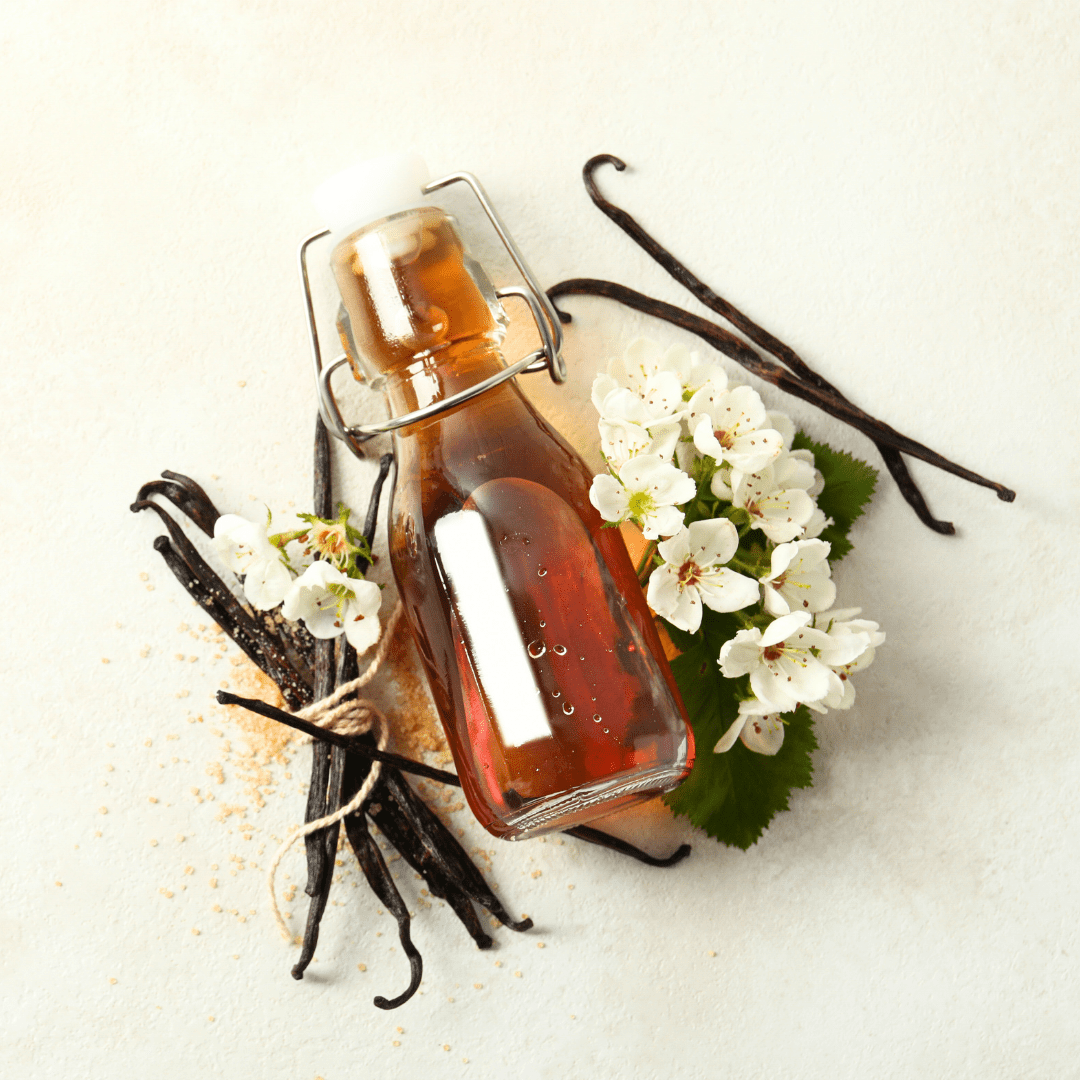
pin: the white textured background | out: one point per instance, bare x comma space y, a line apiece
891, 187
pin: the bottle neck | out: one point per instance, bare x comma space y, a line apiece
423, 317
436, 377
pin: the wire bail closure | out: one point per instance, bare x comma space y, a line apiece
547, 358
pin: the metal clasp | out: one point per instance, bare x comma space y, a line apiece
548, 357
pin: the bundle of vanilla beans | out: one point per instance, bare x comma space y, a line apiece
307, 670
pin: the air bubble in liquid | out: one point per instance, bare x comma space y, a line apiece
556, 693
567, 708
542, 624
559, 650
596, 717
542, 572
606, 732
536, 649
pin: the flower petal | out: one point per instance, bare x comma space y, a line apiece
663, 521
763, 734
267, 582
609, 497
725, 590
727, 740
741, 654
712, 541
782, 628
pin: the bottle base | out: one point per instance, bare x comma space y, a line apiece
598, 799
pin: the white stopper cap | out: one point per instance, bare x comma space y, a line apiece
370, 190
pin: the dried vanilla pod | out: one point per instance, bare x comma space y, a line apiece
800, 380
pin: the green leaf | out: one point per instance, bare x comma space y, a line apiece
732, 796
849, 486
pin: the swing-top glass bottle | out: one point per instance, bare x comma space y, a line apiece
540, 651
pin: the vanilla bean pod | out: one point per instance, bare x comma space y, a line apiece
345, 671
191, 500
324, 685
216, 599
726, 342
186, 495
348, 742
606, 840
297, 641
384, 811
879, 433
327, 762
757, 334
446, 851
382, 883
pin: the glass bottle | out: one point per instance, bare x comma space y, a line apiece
541, 653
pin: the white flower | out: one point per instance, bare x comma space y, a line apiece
601, 387
331, 541
782, 668
244, 546
758, 725
615, 402
728, 425
621, 440
330, 603
780, 513
653, 373
852, 648
693, 574
646, 492
799, 578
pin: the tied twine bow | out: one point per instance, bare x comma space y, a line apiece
344, 714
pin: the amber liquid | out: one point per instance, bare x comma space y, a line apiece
540, 650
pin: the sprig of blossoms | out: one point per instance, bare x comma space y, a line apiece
729, 505
330, 596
